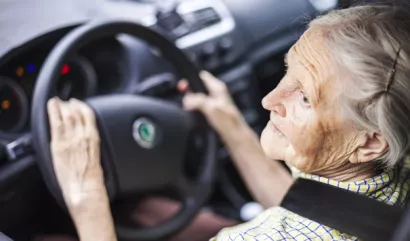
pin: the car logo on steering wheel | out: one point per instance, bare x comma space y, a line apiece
144, 133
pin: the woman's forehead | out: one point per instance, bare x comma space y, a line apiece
311, 52
313, 63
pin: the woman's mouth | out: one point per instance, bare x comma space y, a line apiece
275, 129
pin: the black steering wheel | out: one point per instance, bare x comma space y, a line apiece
143, 139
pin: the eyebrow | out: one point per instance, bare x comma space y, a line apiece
300, 85
286, 59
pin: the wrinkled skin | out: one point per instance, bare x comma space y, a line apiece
307, 128
75, 149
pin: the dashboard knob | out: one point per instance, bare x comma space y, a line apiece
225, 45
208, 51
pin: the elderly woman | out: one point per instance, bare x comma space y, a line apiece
340, 116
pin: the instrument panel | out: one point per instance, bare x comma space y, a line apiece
77, 80
13, 105
83, 75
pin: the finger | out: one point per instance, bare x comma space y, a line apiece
88, 118
183, 86
54, 115
79, 125
213, 84
195, 101
67, 118
90, 131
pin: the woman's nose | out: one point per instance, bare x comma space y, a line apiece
271, 102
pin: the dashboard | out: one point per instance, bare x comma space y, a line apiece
95, 69
242, 42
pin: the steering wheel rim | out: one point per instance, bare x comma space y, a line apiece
194, 195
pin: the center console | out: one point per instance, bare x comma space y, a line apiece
206, 31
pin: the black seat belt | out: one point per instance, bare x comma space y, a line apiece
343, 210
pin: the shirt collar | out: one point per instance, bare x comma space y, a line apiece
366, 187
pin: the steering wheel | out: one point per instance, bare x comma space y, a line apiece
143, 139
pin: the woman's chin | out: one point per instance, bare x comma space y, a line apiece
273, 145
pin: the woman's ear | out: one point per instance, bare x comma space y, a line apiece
371, 146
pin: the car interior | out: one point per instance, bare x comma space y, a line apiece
124, 58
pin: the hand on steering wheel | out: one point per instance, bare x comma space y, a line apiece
75, 150
218, 107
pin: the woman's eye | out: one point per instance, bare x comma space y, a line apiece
304, 98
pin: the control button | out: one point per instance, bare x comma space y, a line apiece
208, 51
19, 148
225, 46
192, 56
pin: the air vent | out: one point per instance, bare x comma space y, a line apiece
202, 18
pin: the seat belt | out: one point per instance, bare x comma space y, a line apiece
343, 210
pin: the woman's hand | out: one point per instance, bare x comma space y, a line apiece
75, 150
218, 107
259, 173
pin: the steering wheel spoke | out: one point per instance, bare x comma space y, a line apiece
185, 187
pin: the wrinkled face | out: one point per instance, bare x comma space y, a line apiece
306, 127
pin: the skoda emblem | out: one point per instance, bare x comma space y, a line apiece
144, 133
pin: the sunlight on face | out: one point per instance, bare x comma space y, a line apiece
306, 129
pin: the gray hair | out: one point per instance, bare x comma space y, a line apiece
365, 41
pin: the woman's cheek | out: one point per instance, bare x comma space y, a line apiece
295, 127
306, 145
305, 137
300, 138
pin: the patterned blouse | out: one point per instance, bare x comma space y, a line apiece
277, 223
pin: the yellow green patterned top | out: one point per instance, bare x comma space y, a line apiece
277, 223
